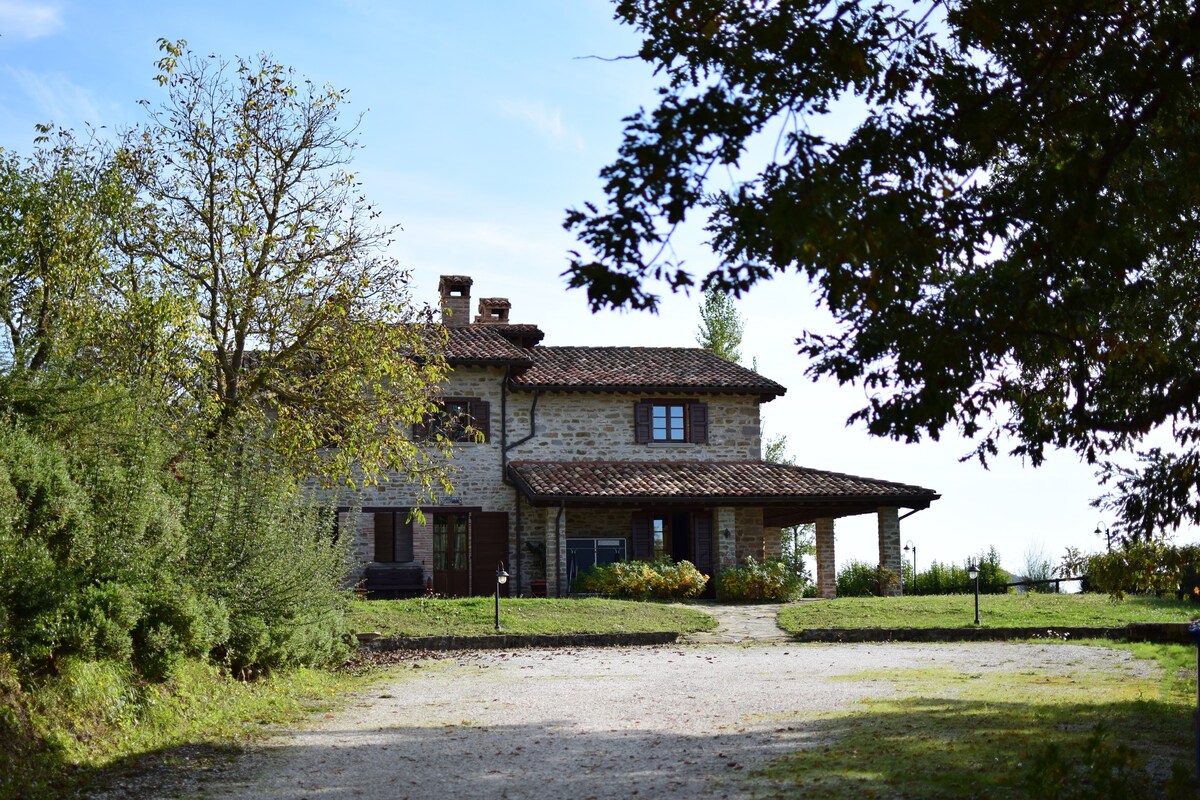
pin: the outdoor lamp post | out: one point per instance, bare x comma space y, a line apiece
973, 574
501, 579
910, 546
1102, 528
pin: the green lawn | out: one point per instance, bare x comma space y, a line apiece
475, 616
995, 611
1018, 734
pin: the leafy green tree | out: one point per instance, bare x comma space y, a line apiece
1007, 240
304, 320
721, 326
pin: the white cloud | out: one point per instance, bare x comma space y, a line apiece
56, 99
29, 20
547, 122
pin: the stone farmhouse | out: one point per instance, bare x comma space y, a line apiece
594, 454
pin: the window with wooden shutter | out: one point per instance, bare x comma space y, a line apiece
461, 419
670, 422
698, 423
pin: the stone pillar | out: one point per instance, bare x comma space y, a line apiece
772, 544
555, 561
889, 544
826, 563
726, 522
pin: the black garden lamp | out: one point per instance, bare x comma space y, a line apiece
910, 546
501, 579
1101, 528
973, 574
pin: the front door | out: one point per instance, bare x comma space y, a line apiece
451, 555
489, 546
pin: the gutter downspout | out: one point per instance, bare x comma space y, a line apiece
909, 514
532, 429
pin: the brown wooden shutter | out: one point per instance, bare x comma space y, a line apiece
703, 541
641, 422
643, 543
698, 423
385, 538
481, 417
404, 537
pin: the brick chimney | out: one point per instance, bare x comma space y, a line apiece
455, 291
493, 310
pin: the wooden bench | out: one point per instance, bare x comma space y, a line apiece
387, 582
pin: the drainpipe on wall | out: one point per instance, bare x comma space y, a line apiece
532, 430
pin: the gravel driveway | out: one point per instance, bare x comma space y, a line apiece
608, 723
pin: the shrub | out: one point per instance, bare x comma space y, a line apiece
768, 582
1145, 567
267, 554
953, 578
860, 579
662, 579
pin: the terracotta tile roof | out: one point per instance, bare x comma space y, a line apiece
640, 369
720, 482
482, 344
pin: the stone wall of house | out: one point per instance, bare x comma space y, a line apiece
578, 426
568, 427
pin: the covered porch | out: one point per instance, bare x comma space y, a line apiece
714, 514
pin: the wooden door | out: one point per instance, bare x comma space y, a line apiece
451, 555
489, 545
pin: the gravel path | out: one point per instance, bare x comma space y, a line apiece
608, 723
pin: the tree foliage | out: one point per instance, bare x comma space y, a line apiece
303, 319
721, 326
1007, 240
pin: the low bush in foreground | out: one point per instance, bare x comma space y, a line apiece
63, 733
663, 579
475, 616
996, 611
755, 582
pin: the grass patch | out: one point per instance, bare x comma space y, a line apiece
475, 616
995, 611
95, 723
1000, 735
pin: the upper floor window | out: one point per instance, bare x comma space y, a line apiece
461, 419
670, 421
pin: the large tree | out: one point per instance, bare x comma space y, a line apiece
304, 321
1007, 240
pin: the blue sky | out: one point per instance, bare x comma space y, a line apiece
482, 122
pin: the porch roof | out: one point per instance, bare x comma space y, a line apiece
788, 494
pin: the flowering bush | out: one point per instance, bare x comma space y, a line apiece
768, 582
640, 580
